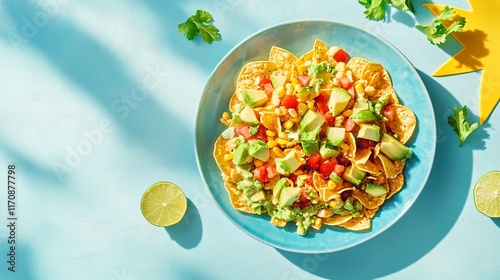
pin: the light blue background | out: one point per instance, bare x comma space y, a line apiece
98, 101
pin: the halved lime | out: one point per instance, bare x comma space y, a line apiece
487, 194
163, 204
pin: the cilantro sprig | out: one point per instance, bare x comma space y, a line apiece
437, 32
200, 24
378, 9
460, 124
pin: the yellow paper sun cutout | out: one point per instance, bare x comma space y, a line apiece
480, 40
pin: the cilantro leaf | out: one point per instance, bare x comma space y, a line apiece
200, 24
404, 5
460, 124
375, 9
437, 32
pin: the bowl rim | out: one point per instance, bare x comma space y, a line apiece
404, 208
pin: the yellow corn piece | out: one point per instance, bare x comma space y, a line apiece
278, 152
282, 141
228, 157
310, 105
292, 112
258, 162
270, 133
271, 144
291, 144
283, 135
359, 88
281, 92
331, 184
298, 172
288, 124
294, 81
296, 120
302, 107
347, 113
297, 87
334, 204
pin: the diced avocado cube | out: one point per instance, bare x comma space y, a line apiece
241, 155
307, 93
288, 164
277, 80
338, 100
280, 184
327, 150
334, 177
363, 117
228, 133
393, 148
258, 149
288, 196
310, 147
360, 105
254, 97
375, 190
369, 131
311, 121
335, 135
258, 196
247, 115
353, 174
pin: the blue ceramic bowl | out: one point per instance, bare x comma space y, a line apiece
298, 37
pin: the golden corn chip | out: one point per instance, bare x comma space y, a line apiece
320, 51
271, 121
350, 140
277, 222
357, 224
283, 58
395, 185
367, 199
370, 213
361, 156
404, 122
318, 182
369, 167
235, 103
236, 198
300, 68
336, 220
252, 71
391, 169
220, 146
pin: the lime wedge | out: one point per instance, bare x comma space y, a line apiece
163, 204
487, 194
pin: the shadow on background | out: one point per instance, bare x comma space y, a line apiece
187, 233
425, 224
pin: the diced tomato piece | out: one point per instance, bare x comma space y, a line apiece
339, 169
341, 56
269, 89
389, 113
260, 173
345, 83
352, 92
365, 143
314, 161
271, 170
264, 81
350, 125
261, 133
330, 119
304, 80
322, 107
322, 97
244, 131
341, 159
289, 101
327, 167
304, 195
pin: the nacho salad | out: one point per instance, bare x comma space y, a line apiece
314, 140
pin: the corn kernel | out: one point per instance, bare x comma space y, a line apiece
298, 172
271, 144
347, 113
294, 81
295, 120
302, 107
283, 135
288, 124
281, 92
291, 144
270, 133
310, 105
228, 157
278, 152
331, 185
282, 141
334, 204
258, 162
359, 88
292, 112
297, 87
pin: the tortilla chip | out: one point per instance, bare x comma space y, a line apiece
350, 140
367, 199
404, 122
219, 152
391, 169
236, 198
357, 224
395, 185
277, 222
302, 60
252, 71
283, 58
320, 51
235, 104
370, 213
336, 220
271, 121
369, 167
361, 156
